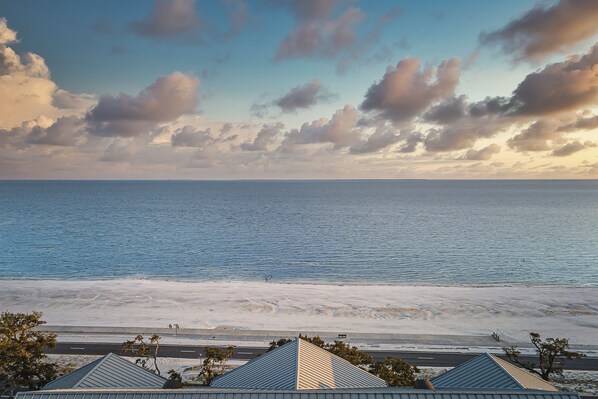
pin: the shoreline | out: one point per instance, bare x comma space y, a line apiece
514, 311
295, 282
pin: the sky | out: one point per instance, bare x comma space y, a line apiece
298, 89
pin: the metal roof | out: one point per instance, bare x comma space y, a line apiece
370, 393
110, 371
490, 372
295, 366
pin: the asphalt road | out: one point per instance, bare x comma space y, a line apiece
429, 359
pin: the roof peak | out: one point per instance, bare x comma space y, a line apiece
298, 365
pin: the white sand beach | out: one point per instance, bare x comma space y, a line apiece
552, 311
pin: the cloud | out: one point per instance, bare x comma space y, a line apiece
546, 30
66, 100
338, 130
583, 123
7, 35
66, 131
264, 138
536, 137
169, 19
188, 136
28, 64
558, 87
447, 111
165, 100
303, 96
483, 154
406, 91
411, 141
26, 89
316, 32
572, 148
461, 135
382, 138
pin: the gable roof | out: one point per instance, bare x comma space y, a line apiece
490, 372
110, 371
295, 366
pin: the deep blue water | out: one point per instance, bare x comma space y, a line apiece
400, 232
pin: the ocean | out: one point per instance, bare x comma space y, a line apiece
406, 232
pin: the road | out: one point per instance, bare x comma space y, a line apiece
424, 359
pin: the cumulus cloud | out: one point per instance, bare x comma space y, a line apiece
544, 30
462, 135
583, 123
66, 131
165, 100
169, 19
28, 64
447, 111
339, 130
303, 96
558, 87
264, 138
316, 32
382, 138
539, 136
26, 89
7, 35
483, 154
406, 91
188, 136
411, 141
572, 148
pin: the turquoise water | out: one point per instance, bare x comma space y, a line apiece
395, 232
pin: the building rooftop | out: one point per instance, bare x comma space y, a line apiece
298, 365
490, 372
367, 393
110, 371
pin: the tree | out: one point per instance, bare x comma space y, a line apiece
396, 372
551, 354
175, 375
214, 364
144, 351
350, 353
22, 359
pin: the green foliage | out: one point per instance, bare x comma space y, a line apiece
22, 359
174, 375
350, 353
276, 344
214, 364
146, 352
396, 372
551, 354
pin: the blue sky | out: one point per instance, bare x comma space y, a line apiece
94, 49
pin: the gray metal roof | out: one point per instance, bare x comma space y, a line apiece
110, 371
295, 366
370, 393
489, 372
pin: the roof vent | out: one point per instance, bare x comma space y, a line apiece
423, 384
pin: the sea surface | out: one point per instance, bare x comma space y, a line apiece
363, 232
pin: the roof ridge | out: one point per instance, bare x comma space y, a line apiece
298, 362
338, 357
255, 359
101, 360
